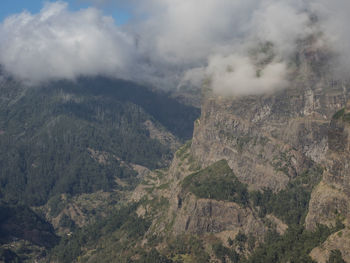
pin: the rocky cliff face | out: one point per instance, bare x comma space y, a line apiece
330, 202
269, 139
184, 213
200, 216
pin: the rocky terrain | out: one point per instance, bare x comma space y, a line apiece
329, 204
269, 142
58, 159
265, 178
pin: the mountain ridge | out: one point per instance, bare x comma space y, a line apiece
258, 182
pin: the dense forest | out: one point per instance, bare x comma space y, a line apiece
49, 136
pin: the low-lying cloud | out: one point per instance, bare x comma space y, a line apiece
57, 43
237, 75
171, 42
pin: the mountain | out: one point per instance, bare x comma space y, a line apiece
264, 179
68, 140
330, 200
74, 137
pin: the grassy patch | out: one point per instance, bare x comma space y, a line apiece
339, 114
163, 186
290, 204
342, 115
217, 182
181, 152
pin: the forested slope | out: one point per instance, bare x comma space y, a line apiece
75, 137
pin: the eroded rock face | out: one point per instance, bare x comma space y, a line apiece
269, 139
200, 216
330, 201
338, 241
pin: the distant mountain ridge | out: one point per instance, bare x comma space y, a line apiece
264, 178
46, 134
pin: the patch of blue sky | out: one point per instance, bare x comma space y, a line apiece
10, 7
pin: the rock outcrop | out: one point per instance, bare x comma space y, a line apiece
200, 216
271, 138
330, 201
268, 141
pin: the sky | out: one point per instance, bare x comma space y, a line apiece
240, 47
9, 7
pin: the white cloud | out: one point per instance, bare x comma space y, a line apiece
187, 32
281, 23
333, 21
57, 43
171, 41
208, 37
237, 75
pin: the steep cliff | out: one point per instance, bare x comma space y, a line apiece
279, 141
240, 190
330, 202
269, 139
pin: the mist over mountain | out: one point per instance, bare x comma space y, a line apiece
93, 115
172, 43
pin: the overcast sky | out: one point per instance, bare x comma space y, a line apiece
166, 43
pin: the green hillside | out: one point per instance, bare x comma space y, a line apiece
52, 138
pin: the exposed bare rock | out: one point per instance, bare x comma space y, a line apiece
199, 216
330, 201
98, 156
281, 227
188, 214
142, 171
326, 205
338, 241
268, 139
103, 158
262, 153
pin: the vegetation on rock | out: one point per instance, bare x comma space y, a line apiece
217, 182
